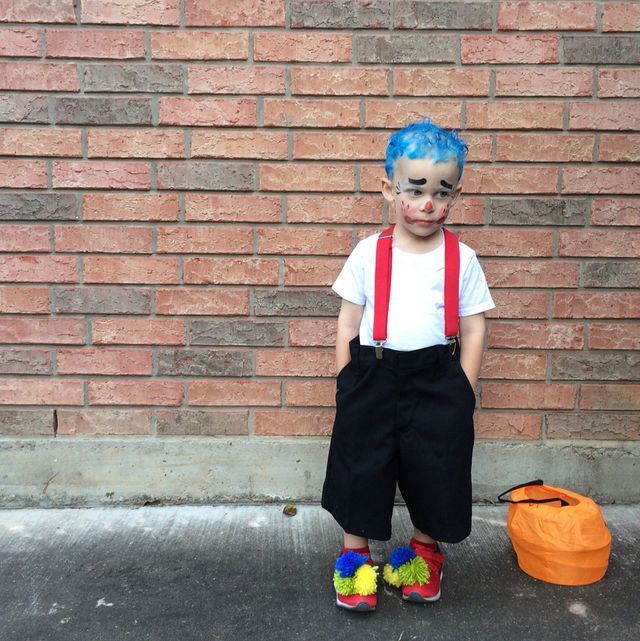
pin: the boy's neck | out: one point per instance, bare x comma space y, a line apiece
405, 240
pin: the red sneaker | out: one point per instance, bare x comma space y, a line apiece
417, 570
355, 580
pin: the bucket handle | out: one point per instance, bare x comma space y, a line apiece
528, 484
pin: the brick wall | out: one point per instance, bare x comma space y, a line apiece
181, 180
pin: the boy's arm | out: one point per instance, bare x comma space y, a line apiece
348, 327
472, 330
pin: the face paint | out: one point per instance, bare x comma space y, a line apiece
444, 183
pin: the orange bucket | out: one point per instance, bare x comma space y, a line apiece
559, 536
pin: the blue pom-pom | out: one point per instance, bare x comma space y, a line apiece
349, 562
400, 556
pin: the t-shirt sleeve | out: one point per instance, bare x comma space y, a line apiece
474, 291
350, 282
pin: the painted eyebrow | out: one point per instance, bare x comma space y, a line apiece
418, 181
444, 183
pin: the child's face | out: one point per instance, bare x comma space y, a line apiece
422, 192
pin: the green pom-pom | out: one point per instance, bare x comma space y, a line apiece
343, 585
391, 576
414, 571
365, 580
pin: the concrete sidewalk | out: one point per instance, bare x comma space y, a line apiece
248, 572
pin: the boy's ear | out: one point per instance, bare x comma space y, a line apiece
456, 192
387, 190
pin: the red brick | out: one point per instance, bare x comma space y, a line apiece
302, 47
604, 115
514, 115
197, 301
609, 396
533, 396
24, 238
621, 16
532, 273
504, 426
555, 16
304, 240
535, 335
596, 304
311, 393
131, 207
234, 13
306, 176
39, 269
615, 211
218, 112
200, 45
294, 422
339, 146
334, 209
339, 81
201, 239
231, 271
40, 391
17, 299
440, 81
135, 392
512, 179
144, 270
96, 174
102, 238
118, 44
104, 422
311, 113
40, 141
50, 331
135, 143
295, 362
239, 144
234, 392
519, 304
137, 331
467, 211
583, 242
21, 174
104, 361
601, 180
614, 336
544, 81
236, 79
508, 242
392, 114
19, 42
312, 333
30, 11
308, 271
510, 49
39, 76
545, 147
619, 83
593, 425
141, 12
619, 147
233, 208
503, 365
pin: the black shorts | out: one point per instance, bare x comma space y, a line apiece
407, 418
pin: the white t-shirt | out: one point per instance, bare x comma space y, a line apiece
416, 303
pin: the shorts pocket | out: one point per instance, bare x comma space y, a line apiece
467, 383
341, 375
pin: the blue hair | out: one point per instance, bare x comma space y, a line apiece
425, 140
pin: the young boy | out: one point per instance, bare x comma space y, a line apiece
405, 405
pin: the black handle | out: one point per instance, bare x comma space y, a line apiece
528, 484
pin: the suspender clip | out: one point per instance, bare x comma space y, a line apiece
452, 342
379, 349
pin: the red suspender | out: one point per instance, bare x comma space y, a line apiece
383, 287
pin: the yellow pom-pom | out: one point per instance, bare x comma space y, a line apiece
391, 576
365, 579
414, 571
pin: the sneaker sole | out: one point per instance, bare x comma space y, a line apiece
360, 607
414, 597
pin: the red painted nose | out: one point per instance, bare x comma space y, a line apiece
428, 206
